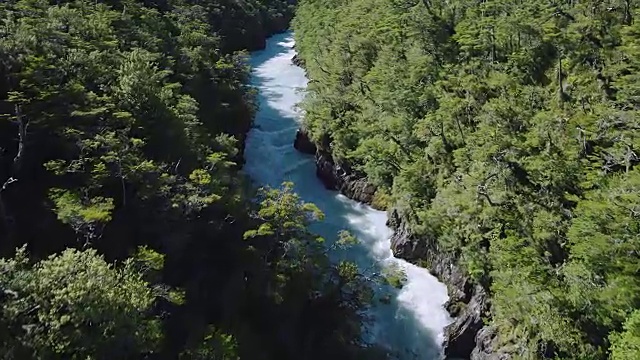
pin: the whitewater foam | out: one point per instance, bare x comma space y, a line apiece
412, 323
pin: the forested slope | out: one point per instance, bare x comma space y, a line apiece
120, 143
505, 132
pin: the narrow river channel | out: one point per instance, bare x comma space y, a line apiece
412, 322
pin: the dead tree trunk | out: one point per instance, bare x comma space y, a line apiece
12, 175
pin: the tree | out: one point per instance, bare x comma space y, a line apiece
626, 345
76, 306
505, 133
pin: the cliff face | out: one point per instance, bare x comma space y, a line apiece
467, 337
335, 175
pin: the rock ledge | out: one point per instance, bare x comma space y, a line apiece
334, 175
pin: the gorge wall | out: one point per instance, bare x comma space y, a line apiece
467, 337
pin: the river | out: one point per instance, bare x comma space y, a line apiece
412, 323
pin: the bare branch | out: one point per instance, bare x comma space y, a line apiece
321, 68
17, 160
22, 134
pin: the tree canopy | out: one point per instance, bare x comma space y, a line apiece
506, 130
122, 126
75, 306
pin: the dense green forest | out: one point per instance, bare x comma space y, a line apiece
507, 131
126, 229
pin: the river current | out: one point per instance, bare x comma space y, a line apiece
411, 324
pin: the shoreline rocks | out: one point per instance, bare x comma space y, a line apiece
467, 337
340, 177
297, 61
303, 144
334, 175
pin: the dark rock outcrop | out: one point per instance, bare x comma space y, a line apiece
460, 336
467, 337
334, 175
341, 177
303, 143
297, 61
486, 347
441, 264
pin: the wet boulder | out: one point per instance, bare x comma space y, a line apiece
303, 144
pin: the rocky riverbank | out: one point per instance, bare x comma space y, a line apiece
467, 337
335, 175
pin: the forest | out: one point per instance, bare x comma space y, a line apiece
126, 228
507, 132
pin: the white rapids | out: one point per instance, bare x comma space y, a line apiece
411, 325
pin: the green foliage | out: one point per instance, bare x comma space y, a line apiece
284, 214
302, 281
627, 344
394, 276
214, 346
506, 131
76, 306
83, 216
122, 132
346, 240
149, 259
